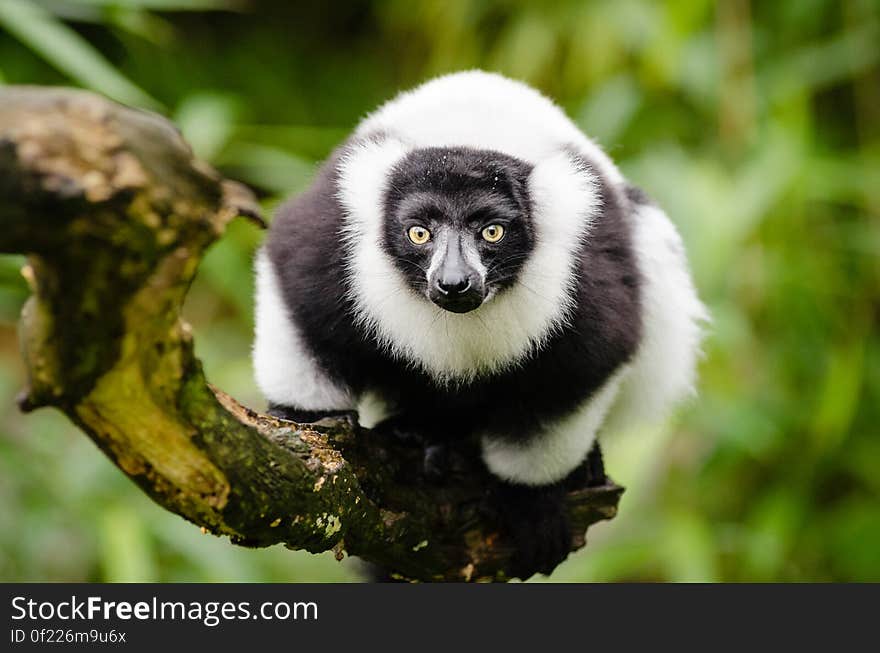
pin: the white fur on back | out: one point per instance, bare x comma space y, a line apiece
286, 372
506, 328
664, 367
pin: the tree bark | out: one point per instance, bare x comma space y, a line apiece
114, 213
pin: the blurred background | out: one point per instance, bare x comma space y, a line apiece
757, 127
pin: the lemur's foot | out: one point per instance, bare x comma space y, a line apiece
301, 416
536, 521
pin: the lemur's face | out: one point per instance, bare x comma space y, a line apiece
458, 224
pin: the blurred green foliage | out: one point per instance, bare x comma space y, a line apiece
756, 125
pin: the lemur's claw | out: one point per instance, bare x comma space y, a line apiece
436, 463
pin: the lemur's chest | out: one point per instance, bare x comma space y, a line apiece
520, 398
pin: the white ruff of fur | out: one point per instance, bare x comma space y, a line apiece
506, 329
484, 111
286, 372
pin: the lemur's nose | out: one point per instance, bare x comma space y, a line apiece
454, 285
454, 274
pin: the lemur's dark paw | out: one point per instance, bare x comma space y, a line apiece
301, 416
538, 527
438, 458
401, 429
541, 546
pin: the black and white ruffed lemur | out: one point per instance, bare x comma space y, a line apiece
468, 257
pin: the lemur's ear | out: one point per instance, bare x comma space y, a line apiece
565, 197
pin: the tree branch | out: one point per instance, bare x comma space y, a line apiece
115, 213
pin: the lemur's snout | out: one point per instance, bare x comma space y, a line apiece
454, 285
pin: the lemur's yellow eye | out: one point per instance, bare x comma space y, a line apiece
493, 233
419, 235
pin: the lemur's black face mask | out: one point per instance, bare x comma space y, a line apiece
458, 224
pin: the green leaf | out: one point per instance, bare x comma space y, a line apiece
67, 51
164, 5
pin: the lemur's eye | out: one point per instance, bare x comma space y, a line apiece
493, 233
419, 235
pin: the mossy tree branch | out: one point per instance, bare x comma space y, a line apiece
114, 213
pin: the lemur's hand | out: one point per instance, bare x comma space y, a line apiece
301, 416
437, 462
535, 520
403, 429
441, 458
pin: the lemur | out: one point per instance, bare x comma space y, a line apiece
468, 256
